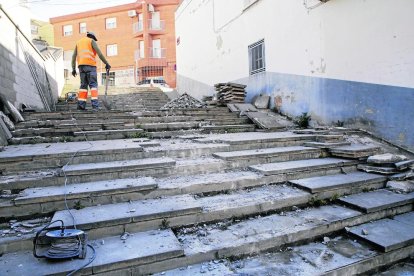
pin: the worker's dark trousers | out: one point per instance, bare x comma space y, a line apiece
88, 77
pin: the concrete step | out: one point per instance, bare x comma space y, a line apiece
355, 151
79, 122
340, 255
43, 200
40, 156
321, 164
81, 136
160, 167
169, 126
111, 254
324, 145
116, 166
37, 201
229, 128
338, 181
377, 200
268, 155
77, 115
273, 139
143, 211
264, 233
388, 234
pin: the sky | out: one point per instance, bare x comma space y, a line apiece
44, 9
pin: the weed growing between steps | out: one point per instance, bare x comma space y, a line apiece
303, 120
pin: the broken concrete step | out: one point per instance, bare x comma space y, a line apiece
302, 165
136, 211
270, 154
355, 151
280, 138
329, 138
338, 181
108, 167
159, 167
112, 254
80, 123
339, 256
377, 200
311, 131
117, 115
212, 182
32, 157
169, 126
386, 234
173, 133
229, 128
128, 132
264, 233
377, 169
324, 145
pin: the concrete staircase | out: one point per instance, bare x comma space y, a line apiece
198, 203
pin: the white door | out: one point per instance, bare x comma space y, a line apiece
141, 49
156, 22
156, 48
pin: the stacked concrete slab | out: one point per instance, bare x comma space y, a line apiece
197, 204
230, 93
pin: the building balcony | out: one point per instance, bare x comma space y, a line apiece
154, 57
154, 27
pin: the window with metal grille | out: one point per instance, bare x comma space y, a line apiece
257, 62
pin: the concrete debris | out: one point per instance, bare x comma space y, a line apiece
261, 101
401, 186
183, 102
125, 236
7, 121
364, 232
230, 93
386, 158
377, 169
326, 240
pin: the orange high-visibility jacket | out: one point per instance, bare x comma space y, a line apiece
86, 55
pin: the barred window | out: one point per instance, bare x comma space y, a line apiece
257, 62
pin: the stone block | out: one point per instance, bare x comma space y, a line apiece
377, 200
386, 234
262, 101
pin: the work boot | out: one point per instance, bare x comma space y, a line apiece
81, 105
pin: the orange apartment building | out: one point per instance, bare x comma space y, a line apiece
137, 39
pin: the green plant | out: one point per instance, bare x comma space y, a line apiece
139, 135
316, 202
334, 197
339, 123
165, 224
78, 205
303, 120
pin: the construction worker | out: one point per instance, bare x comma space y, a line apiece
85, 53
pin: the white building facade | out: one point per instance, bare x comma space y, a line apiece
344, 60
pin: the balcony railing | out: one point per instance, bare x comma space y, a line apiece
137, 27
156, 25
157, 52
152, 53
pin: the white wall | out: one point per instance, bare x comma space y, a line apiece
360, 40
346, 60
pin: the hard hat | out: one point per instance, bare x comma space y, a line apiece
91, 35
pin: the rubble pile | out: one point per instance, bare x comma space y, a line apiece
19, 228
183, 102
230, 92
387, 164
